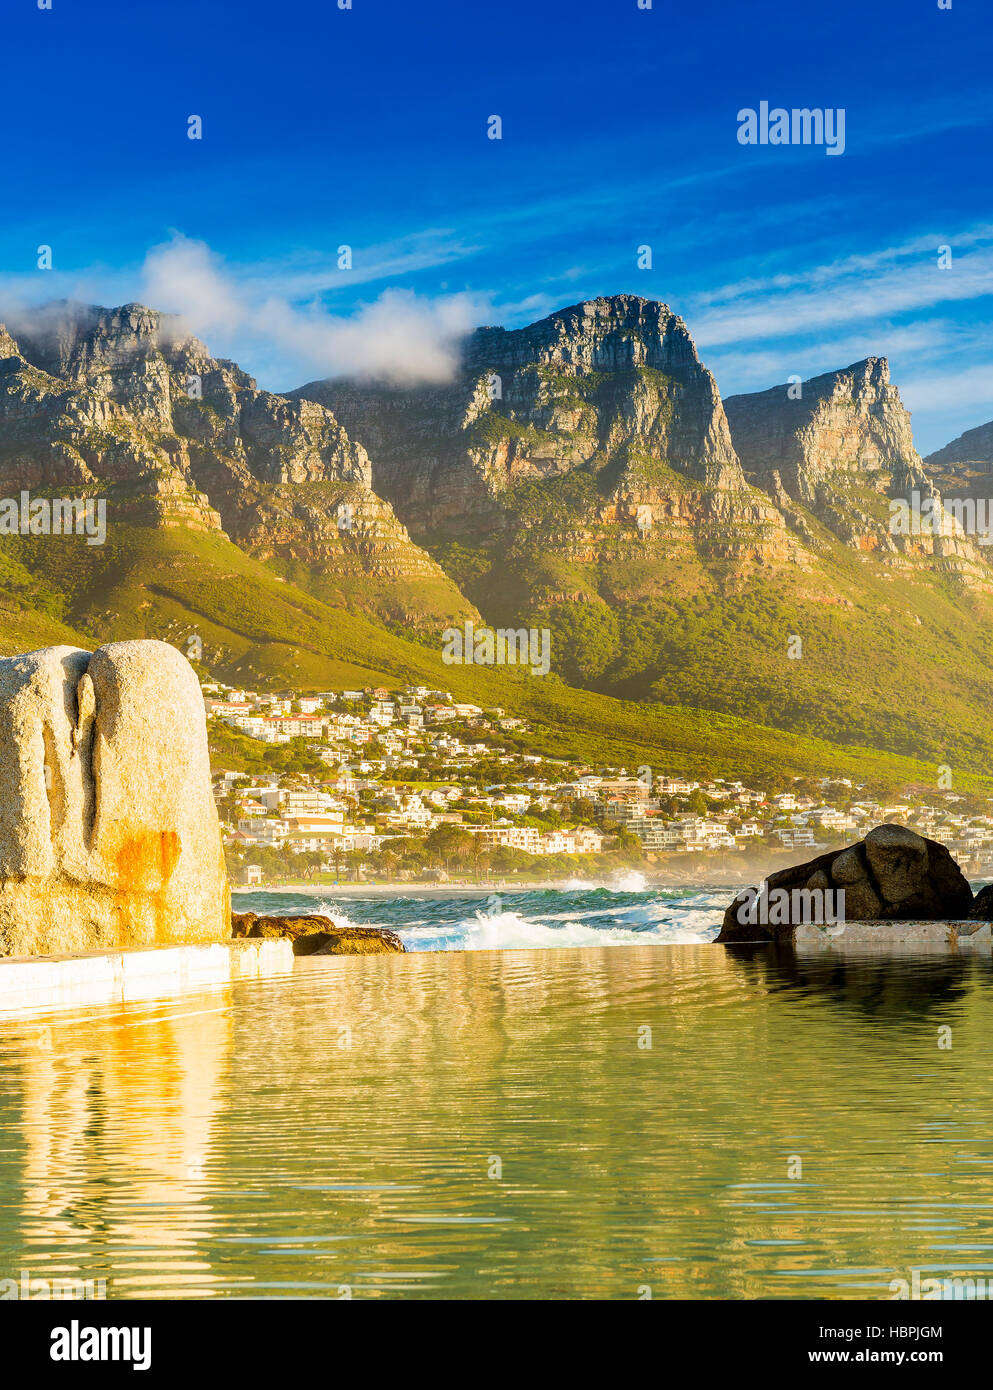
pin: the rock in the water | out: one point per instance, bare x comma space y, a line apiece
109, 834
898, 858
893, 874
319, 936
982, 905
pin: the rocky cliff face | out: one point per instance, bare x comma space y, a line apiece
841, 446
964, 468
609, 394
582, 474
122, 401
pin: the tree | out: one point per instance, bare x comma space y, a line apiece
388, 862
628, 846
312, 861
447, 843
480, 854
355, 860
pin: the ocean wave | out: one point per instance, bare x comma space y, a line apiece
537, 918
510, 930
632, 882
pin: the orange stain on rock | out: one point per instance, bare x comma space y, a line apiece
146, 859
143, 866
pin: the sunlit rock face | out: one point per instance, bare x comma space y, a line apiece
892, 875
841, 446
611, 389
109, 835
123, 403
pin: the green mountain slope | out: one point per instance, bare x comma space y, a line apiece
582, 474
259, 629
124, 405
721, 588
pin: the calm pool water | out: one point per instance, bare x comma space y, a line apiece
486, 1125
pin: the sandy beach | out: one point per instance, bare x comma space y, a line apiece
415, 890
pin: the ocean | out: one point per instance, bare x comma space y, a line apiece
624, 913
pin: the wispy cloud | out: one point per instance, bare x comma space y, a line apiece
400, 336
957, 388
879, 285
761, 368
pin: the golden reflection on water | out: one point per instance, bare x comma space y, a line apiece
117, 1114
496, 1125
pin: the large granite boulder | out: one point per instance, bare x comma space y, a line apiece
893, 874
109, 835
318, 936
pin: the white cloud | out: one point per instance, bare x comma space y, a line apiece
400, 337
879, 285
759, 369
956, 388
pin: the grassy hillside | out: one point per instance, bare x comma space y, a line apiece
259, 629
892, 655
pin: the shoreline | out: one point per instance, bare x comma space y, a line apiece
409, 890
444, 890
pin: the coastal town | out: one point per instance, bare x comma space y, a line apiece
413, 785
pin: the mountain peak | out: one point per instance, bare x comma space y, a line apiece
613, 333
973, 447
964, 467
68, 338
869, 373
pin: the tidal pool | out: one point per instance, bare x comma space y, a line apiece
672, 1121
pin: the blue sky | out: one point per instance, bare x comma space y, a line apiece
367, 127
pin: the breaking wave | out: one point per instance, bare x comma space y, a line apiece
623, 913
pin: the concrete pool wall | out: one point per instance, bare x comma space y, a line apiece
28, 983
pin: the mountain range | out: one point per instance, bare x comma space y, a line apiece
720, 578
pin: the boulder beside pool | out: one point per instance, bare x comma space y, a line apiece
109, 836
318, 936
982, 905
893, 875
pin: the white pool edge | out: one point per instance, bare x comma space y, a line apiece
940, 936
30, 983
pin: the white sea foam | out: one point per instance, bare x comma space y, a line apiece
335, 913
492, 924
631, 882
510, 930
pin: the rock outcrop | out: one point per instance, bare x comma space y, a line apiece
843, 449
125, 403
893, 874
318, 936
610, 389
572, 473
964, 468
109, 836
982, 905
